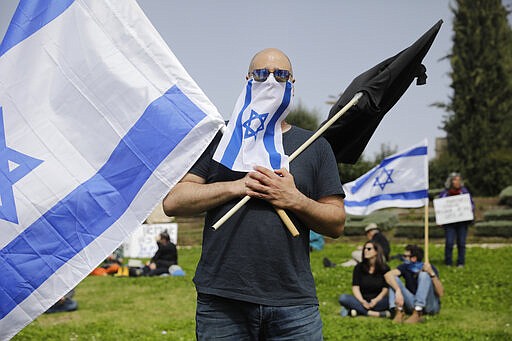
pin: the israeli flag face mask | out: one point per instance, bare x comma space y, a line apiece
415, 267
253, 135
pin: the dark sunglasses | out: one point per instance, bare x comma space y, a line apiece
261, 75
406, 256
368, 248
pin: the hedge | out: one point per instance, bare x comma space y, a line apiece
494, 229
505, 214
354, 228
415, 215
417, 230
385, 220
506, 196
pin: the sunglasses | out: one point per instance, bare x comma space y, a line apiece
261, 75
368, 248
406, 256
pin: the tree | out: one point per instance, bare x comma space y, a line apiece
479, 126
302, 117
349, 173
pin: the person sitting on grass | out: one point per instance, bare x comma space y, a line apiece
422, 291
111, 264
165, 256
370, 291
372, 233
66, 303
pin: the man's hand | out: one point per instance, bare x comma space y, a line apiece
399, 299
276, 187
428, 269
325, 215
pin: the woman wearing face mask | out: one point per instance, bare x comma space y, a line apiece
455, 231
369, 287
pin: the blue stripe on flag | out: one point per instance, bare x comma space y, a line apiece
421, 194
79, 218
235, 143
30, 16
268, 137
418, 151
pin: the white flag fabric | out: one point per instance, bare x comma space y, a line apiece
400, 180
98, 121
253, 135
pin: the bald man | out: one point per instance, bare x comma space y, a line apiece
254, 279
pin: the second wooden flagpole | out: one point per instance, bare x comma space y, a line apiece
426, 232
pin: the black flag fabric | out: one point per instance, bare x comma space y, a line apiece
382, 86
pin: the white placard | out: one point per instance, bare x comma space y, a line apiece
142, 242
453, 209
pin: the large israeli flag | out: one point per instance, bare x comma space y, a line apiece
98, 120
400, 180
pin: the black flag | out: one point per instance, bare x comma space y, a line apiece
382, 87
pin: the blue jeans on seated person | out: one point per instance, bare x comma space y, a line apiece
350, 302
424, 297
219, 318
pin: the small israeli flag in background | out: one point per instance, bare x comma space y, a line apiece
253, 135
400, 180
98, 121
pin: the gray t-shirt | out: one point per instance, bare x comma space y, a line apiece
252, 257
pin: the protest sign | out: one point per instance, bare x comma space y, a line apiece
453, 209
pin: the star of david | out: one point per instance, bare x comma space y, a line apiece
13, 166
379, 178
254, 124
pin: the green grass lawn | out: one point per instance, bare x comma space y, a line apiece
477, 303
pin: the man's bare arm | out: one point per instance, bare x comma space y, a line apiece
192, 195
390, 278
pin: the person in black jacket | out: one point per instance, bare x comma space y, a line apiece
373, 234
165, 256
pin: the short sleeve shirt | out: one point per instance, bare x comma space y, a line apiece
252, 257
411, 278
370, 284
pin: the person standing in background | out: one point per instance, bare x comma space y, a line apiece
455, 231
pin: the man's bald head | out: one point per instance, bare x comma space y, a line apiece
271, 59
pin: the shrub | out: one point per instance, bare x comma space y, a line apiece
498, 215
386, 220
494, 229
506, 196
413, 230
355, 228
417, 215
354, 217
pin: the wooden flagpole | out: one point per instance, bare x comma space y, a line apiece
426, 232
299, 150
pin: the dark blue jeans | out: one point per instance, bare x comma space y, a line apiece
219, 318
452, 232
350, 302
